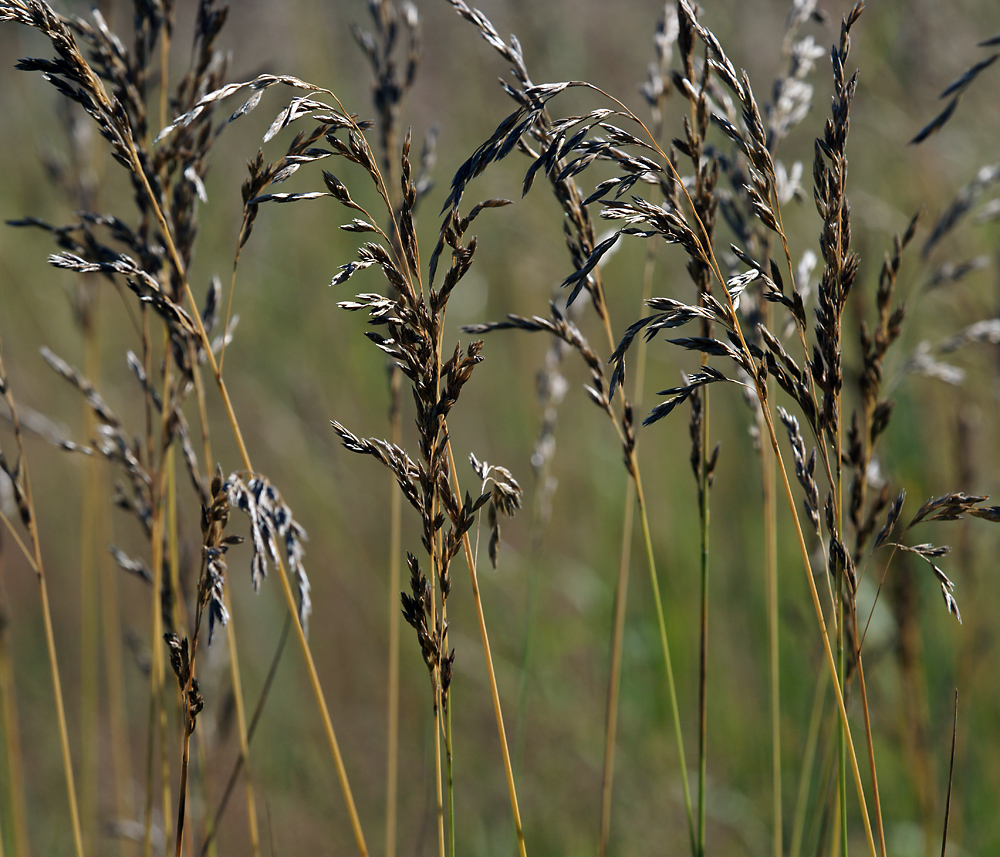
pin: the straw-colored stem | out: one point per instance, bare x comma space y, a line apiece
392, 695
395, 532
477, 599
438, 775
435, 623
50, 641
157, 671
331, 737
449, 758
774, 657
234, 661
821, 621
841, 738
182, 798
241, 725
621, 587
876, 802
188, 718
90, 609
151, 721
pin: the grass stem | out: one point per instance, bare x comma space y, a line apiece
495, 693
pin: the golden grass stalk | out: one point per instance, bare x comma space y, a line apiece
22, 488
494, 692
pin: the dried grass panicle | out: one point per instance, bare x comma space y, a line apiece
131, 564
408, 474
420, 613
840, 262
112, 88
690, 389
951, 272
505, 498
948, 507
70, 73
658, 84
115, 445
270, 519
954, 90
986, 178
559, 326
112, 441
394, 51
792, 94
15, 470
890, 521
94, 399
214, 518
871, 417
182, 663
531, 122
411, 314
984, 331
185, 340
805, 468
417, 611
115, 82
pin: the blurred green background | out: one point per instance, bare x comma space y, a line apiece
297, 362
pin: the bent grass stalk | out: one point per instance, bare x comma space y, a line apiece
494, 691
22, 487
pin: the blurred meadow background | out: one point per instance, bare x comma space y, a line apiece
296, 362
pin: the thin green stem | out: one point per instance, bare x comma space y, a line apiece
392, 695
438, 777
774, 659
614, 679
451, 775
808, 762
668, 663
703, 517
182, 798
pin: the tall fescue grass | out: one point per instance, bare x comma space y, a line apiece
713, 615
